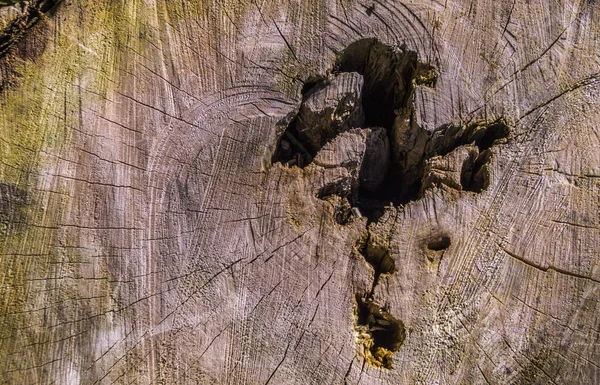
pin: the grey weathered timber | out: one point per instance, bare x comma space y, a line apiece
190, 194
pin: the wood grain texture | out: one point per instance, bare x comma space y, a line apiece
146, 236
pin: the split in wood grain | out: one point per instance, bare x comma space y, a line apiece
377, 254
386, 77
379, 332
369, 93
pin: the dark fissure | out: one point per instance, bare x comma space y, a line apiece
386, 333
367, 98
379, 257
380, 333
371, 86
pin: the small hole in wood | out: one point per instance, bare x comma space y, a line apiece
439, 243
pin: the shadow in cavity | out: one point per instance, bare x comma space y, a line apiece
439, 243
379, 257
483, 135
381, 334
388, 78
386, 85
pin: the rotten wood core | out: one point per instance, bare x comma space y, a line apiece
176, 206
386, 99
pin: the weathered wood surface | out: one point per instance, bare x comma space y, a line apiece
146, 236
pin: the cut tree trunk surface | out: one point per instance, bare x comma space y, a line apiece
299, 192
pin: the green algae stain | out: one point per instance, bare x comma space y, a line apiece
41, 118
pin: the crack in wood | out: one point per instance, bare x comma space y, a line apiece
548, 268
